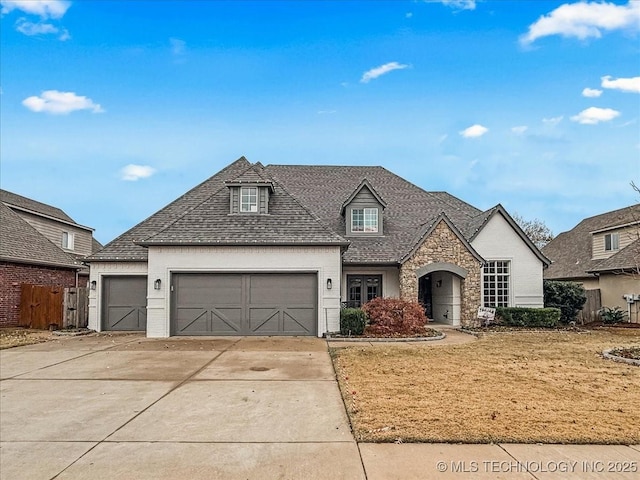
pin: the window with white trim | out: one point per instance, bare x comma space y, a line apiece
611, 242
249, 199
364, 220
496, 283
67, 240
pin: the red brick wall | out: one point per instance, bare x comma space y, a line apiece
12, 275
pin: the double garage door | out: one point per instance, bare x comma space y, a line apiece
244, 304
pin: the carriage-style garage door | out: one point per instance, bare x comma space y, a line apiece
244, 304
124, 303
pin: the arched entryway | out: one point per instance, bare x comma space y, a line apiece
440, 287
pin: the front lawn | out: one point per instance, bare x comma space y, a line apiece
546, 387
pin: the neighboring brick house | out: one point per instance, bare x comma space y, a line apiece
39, 245
277, 250
602, 253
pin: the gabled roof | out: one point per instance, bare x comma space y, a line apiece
22, 243
428, 228
627, 259
323, 188
476, 224
24, 203
126, 248
253, 175
210, 223
364, 184
571, 252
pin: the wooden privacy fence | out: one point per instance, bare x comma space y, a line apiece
591, 310
46, 307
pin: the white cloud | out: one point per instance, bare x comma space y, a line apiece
553, 121
60, 103
456, 4
595, 115
43, 8
460, 4
584, 20
520, 129
381, 70
178, 47
474, 131
133, 173
591, 92
624, 84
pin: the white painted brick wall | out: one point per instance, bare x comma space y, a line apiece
498, 241
165, 260
99, 270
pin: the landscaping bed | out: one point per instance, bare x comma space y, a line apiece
17, 337
531, 387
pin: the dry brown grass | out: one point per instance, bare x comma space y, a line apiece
547, 387
17, 337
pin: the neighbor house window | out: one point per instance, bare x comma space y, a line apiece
67, 240
363, 288
249, 199
364, 220
611, 242
496, 283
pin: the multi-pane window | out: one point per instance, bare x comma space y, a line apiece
67, 240
249, 199
611, 242
496, 283
362, 288
364, 220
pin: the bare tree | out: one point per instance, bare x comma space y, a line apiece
535, 229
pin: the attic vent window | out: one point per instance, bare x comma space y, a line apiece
249, 199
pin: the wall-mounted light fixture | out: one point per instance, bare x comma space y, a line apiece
157, 284
439, 283
329, 284
93, 285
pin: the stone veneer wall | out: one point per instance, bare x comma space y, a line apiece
443, 245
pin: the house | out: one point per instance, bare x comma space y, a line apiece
278, 249
602, 253
40, 245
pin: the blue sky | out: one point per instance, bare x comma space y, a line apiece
112, 109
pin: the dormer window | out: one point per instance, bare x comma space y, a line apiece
363, 211
364, 220
248, 199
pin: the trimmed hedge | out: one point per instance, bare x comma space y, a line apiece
528, 317
352, 321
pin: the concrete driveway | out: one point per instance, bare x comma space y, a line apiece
125, 406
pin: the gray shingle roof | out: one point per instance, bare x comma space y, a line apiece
305, 208
19, 201
323, 189
571, 251
21, 243
627, 259
125, 248
210, 223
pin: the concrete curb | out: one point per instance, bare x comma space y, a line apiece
607, 354
389, 340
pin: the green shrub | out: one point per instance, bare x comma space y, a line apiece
612, 315
389, 316
528, 317
352, 321
569, 297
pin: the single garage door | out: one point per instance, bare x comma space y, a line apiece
124, 303
244, 304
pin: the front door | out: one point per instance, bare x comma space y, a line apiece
425, 295
363, 288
